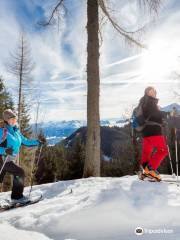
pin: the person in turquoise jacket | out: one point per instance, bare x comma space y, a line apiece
11, 140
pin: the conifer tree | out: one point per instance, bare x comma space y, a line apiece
26, 154
5, 98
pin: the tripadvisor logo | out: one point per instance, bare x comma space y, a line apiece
139, 231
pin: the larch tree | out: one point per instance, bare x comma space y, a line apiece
21, 65
93, 143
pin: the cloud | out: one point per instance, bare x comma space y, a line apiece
60, 57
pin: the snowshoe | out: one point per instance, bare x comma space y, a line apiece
151, 173
8, 204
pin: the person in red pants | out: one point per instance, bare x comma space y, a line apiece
154, 147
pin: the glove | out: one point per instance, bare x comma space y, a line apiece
42, 140
9, 151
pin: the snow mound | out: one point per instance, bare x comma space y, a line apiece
10, 233
99, 209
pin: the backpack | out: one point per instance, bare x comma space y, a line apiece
3, 141
138, 122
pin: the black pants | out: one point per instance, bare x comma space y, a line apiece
18, 181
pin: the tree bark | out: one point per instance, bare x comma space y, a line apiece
92, 161
20, 82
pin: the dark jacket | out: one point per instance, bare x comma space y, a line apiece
152, 113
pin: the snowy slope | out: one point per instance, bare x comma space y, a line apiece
97, 209
11, 233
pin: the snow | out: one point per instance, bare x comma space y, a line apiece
170, 107
10, 233
57, 131
75, 124
97, 209
107, 158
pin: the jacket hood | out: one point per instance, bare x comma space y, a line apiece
146, 98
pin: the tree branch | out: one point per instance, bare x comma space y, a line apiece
152, 5
60, 3
123, 32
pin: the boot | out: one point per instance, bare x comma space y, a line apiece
150, 172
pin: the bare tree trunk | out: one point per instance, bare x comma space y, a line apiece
20, 82
20, 91
92, 161
21, 65
19, 101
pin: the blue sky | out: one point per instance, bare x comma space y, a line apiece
59, 77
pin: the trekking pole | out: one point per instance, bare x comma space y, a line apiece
177, 170
33, 167
169, 154
4, 162
170, 159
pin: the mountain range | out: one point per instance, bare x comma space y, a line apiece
57, 131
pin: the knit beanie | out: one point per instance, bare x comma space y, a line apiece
7, 114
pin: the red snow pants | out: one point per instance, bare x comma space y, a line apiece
154, 150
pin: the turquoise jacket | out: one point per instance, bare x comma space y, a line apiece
15, 139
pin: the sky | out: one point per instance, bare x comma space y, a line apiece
59, 55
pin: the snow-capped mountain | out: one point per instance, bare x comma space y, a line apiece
97, 209
170, 107
56, 131
64, 124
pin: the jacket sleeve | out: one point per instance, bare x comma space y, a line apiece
29, 142
2, 149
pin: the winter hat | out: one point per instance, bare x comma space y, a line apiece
7, 114
148, 89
